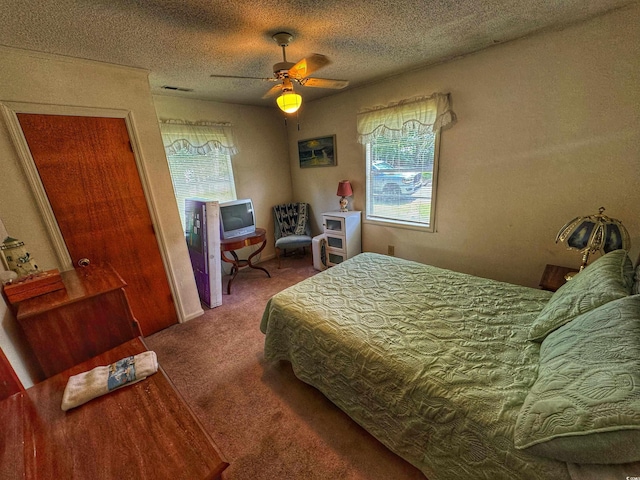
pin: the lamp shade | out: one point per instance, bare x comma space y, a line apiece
594, 233
344, 189
289, 102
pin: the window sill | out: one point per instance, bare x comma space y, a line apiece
399, 224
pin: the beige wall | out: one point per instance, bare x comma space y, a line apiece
261, 166
548, 129
63, 83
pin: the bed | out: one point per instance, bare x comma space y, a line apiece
441, 366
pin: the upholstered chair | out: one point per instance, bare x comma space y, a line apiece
291, 227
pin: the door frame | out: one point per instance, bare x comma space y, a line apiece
9, 112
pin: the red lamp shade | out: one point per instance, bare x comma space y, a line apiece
344, 189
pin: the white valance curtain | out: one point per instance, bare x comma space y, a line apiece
418, 113
197, 138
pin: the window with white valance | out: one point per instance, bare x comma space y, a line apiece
401, 143
199, 156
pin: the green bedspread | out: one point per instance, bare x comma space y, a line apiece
434, 363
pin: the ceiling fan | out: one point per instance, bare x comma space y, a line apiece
287, 73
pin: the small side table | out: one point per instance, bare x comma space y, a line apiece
236, 243
553, 277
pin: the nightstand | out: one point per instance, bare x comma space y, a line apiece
553, 277
343, 233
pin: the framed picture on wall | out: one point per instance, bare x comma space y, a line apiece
317, 152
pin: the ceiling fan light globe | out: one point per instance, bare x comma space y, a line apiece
289, 102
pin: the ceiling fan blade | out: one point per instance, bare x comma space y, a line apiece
273, 91
323, 83
307, 66
268, 79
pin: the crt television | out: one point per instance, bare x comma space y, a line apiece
237, 218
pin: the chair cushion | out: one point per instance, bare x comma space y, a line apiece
608, 278
584, 407
293, 241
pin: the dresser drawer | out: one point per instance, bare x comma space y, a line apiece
334, 225
335, 257
336, 242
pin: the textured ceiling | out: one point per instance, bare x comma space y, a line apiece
183, 42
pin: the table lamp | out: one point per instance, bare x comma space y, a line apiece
592, 234
344, 190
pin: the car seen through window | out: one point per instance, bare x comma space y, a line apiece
387, 180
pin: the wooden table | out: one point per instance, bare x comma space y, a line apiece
236, 243
142, 431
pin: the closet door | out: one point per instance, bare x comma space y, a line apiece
89, 174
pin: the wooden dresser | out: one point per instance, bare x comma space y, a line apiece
141, 431
90, 316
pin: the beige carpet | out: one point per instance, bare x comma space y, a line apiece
267, 423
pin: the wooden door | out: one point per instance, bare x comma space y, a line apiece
89, 174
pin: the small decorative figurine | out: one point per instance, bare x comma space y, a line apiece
17, 258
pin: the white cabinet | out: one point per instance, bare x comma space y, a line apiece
342, 230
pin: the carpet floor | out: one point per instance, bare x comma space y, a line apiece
266, 423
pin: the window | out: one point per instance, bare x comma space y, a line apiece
400, 178
199, 157
401, 159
